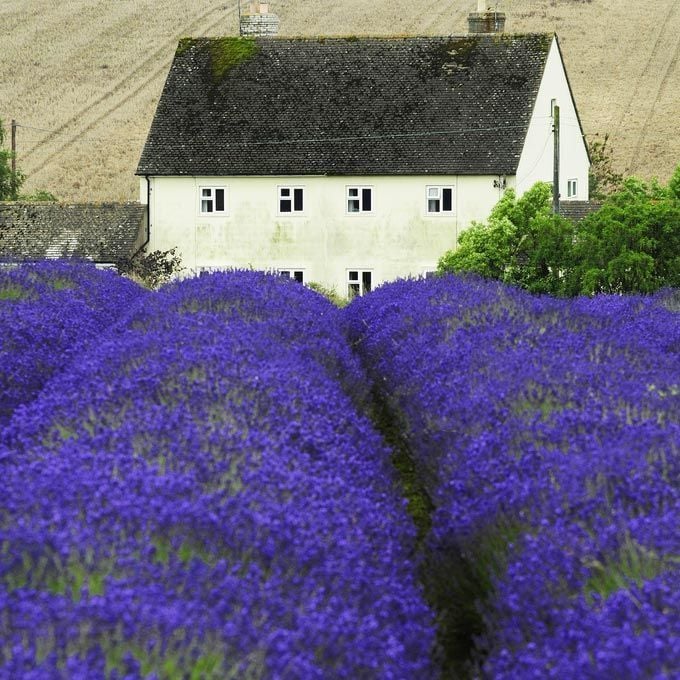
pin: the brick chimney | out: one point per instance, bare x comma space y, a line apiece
257, 20
486, 20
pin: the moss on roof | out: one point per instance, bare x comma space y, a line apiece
225, 53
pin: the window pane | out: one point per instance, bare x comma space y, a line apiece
297, 199
299, 276
353, 290
219, 200
353, 205
206, 192
206, 205
353, 276
366, 280
433, 205
447, 197
366, 199
285, 192
354, 192
433, 192
284, 273
285, 205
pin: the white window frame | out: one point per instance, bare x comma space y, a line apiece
435, 192
359, 198
292, 273
207, 194
356, 282
572, 188
289, 196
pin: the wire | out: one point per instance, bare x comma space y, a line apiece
55, 133
395, 135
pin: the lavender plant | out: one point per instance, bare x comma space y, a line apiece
49, 312
198, 497
546, 434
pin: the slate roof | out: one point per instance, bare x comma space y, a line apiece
577, 210
100, 232
365, 106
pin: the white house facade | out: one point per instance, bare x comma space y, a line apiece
386, 226
350, 162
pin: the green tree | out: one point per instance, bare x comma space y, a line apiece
10, 182
602, 179
632, 244
522, 243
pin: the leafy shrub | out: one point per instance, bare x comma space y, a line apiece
151, 269
629, 245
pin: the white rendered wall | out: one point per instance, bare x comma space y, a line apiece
399, 238
536, 161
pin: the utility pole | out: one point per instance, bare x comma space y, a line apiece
14, 147
556, 159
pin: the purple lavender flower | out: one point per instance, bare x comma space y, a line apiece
197, 494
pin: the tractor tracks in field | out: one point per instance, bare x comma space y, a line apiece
142, 75
651, 84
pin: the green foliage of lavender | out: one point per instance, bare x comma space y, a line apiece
197, 496
546, 434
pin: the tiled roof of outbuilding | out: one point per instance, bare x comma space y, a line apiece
364, 106
100, 232
577, 210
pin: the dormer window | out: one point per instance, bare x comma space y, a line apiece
572, 188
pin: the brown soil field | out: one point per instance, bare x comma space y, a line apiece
82, 77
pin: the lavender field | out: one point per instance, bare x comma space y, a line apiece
546, 435
196, 481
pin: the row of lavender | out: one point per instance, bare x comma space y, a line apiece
547, 436
48, 315
197, 496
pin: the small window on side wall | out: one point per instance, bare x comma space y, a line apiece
291, 200
439, 200
572, 188
213, 200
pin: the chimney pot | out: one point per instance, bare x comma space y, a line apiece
259, 21
485, 20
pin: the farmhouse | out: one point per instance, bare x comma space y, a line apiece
351, 161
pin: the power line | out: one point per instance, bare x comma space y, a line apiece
292, 141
